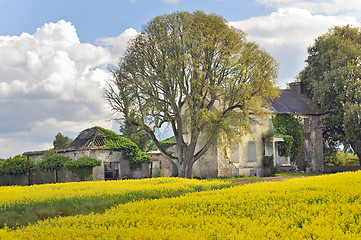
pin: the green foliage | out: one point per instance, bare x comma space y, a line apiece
53, 163
135, 134
267, 161
83, 166
334, 157
286, 124
332, 80
165, 144
130, 150
61, 142
285, 148
83, 162
199, 75
17, 165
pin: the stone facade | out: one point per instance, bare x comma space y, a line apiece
311, 155
246, 157
113, 166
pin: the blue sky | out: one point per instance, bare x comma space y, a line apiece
54, 54
103, 18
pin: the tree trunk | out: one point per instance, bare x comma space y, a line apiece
185, 170
356, 146
188, 171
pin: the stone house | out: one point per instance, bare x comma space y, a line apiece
246, 157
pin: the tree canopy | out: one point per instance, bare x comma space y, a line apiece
61, 142
332, 79
197, 74
53, 163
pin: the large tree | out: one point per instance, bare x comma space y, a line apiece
61, 142
332, 78
197, 74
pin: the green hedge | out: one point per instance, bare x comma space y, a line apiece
17, 165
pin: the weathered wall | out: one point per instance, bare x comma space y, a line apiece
121, 166
311, 155
207, 165
250, 149
162, 166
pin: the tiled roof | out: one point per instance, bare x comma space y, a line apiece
293, 103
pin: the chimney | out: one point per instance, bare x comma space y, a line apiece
297, 87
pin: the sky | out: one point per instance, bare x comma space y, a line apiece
54, 55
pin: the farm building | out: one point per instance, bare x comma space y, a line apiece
243, 158
90, 143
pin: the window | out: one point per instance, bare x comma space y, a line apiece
252, 155
235, 153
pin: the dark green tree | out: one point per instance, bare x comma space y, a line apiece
134, 133
332, 79
17, 165
61, 142
53, 163
196, 74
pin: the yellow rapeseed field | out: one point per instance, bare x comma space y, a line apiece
12, 196
322, 207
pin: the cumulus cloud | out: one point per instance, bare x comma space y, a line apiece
50, 83
325, 6
118, 45
287, 33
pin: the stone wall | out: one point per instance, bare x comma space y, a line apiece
121, 168
311, 155
162, 166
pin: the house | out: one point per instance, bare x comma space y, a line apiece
246, 157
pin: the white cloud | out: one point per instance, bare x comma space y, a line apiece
50, 83
171, 1
118, 45
324, 6
287, 33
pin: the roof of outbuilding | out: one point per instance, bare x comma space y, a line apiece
294, 103
88, 138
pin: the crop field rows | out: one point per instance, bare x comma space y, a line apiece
321, 207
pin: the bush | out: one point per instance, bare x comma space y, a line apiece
53, 163
83, 166
84, 162
17, 165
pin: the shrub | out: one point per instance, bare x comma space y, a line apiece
53, 163
17, 165
83, 166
